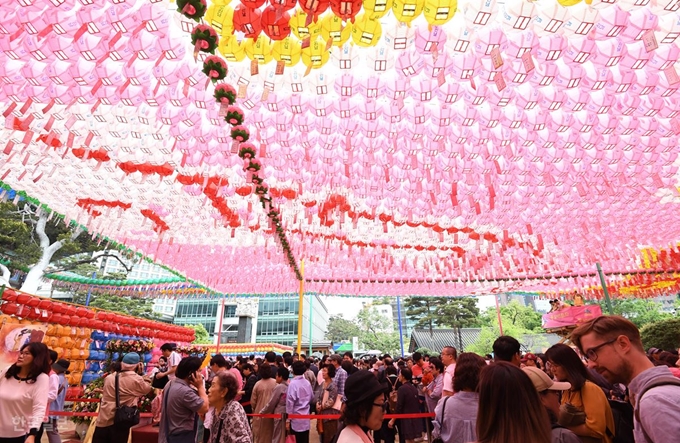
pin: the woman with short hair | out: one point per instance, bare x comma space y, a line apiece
327, 403
229, 421
408, 403
363, 409
456, 416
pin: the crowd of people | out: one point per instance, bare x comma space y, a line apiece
605, 389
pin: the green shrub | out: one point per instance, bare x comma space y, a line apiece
664, 334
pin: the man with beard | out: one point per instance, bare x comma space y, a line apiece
612, 346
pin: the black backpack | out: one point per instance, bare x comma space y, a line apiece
623, 422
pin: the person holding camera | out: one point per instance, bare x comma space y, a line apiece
121, 389
183, 400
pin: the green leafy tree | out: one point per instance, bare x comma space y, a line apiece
377, 331
340, 329
443, 312
202, 336
35, 241
664, 334
137, 307
425, 309
519, 321
638, 310
425, 351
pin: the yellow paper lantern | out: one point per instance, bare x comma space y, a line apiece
231, 49
221, 18
332, 27
377, 8
571, 2
299, 27
407, 10
315, 55
287, 50
366, 31
260, 50
66, 342
438, 12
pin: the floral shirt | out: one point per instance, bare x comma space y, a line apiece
235, 428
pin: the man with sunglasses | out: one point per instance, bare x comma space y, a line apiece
612, 347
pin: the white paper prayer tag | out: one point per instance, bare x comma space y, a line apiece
242, 89
671, 75
528, 62
223, 109
500, 81
649, 40
496, 58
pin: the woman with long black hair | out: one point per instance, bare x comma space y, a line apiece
24, 388
585, 410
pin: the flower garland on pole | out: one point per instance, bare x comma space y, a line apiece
205, 39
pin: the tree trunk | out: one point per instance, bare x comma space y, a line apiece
6, 275
429, 317
35, 274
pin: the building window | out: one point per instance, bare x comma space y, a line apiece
230, 311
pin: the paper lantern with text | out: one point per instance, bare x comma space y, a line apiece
275, 23
248, 21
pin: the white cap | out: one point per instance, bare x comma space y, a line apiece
542, 382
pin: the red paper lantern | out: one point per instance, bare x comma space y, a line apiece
33, 302
65, 319
90, 314
71, 310
285, 5
56, 318
314, 7
275, 23
45, 304
59, 308
248, 21
33, 313
9, 295
22, 298
9, 308
81, 312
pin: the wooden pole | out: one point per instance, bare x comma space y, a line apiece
300, 307
219, 333
498, 313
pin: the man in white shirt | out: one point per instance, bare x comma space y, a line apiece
168, 350
449, 355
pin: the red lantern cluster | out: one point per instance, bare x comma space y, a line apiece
101, 155
159, 225
211, 189
163, 170
30, 307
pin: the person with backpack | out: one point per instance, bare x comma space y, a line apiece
408, 403
549, 392
585, 409
612, 346
391, 380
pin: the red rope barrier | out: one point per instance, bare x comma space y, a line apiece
291, 416
88, 414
